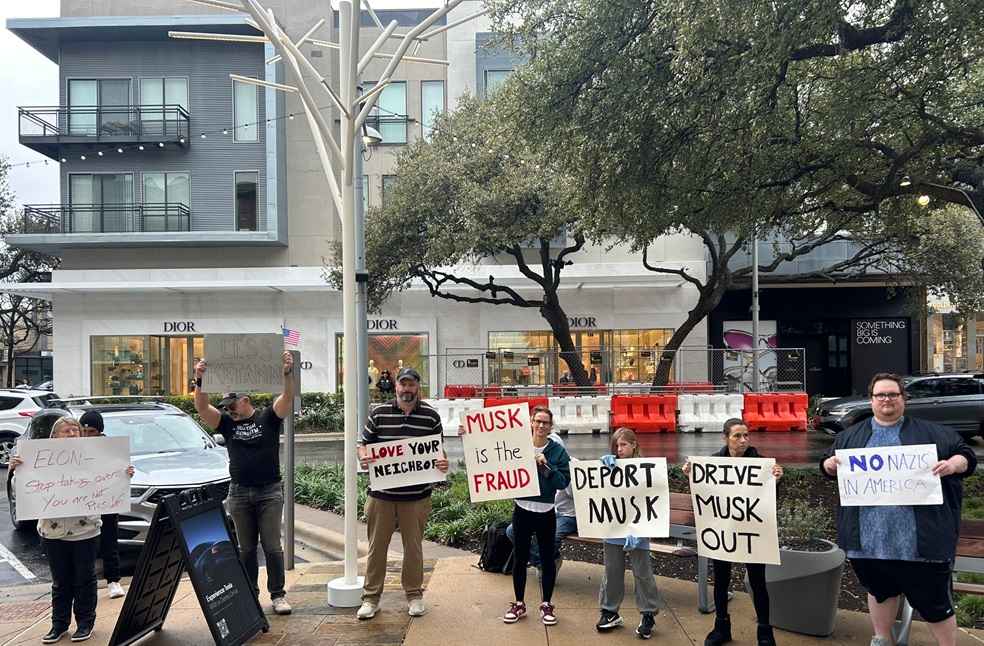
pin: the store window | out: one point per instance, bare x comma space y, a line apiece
948, 342
144, 365
389, 352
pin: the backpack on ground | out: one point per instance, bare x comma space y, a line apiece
497, 550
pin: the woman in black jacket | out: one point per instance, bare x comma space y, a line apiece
737, 445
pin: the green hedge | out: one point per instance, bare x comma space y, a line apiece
319, 411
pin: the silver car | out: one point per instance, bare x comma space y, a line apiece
169, 451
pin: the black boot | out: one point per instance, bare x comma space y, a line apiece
765, 637
721, 633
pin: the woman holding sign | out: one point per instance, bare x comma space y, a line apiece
736, 445
536, 516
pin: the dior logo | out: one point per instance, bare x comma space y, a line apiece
179, 326
383, 324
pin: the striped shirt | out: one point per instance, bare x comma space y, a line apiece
387, 422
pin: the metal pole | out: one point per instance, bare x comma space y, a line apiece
361, 277
755, 312
289, 446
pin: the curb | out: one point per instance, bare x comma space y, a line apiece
325, 541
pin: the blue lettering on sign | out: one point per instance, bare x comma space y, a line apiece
879, 460
858, 461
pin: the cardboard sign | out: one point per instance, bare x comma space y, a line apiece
403, 463
499, 455
735, 509
630, 499
889, 475
251, 363
72, 477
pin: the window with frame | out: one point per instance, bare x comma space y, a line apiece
245, 112
160, 100
247, 204
166, 198
389, 183
431, 105
494, 80
389, 115
99, 107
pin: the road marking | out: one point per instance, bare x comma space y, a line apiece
8, 556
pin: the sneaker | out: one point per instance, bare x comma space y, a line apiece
517, 610
116, 590
547, 614
367, 610
281, 606
83, 633
608, 621
880, 641
417, 608
645, 629
54, 635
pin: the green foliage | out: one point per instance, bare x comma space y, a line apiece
319, 411
970, 610
798, 519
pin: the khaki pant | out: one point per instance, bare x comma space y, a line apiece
382, 517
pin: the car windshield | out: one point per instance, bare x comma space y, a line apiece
157, 433
42, 400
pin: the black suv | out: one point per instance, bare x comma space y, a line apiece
953, 400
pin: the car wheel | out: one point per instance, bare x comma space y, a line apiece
7, 443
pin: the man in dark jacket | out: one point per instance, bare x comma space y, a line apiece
904, 549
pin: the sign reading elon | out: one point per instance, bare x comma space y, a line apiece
878, 345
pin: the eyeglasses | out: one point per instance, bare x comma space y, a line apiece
882, 397
543, 422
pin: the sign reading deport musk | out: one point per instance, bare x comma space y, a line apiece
878, 345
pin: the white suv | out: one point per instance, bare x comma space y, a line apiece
17, 407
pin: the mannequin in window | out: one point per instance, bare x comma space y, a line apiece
373, 374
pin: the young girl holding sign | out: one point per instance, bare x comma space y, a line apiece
536, 516
736, 445
624, 445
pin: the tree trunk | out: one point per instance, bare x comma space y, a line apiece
554, 314
10, 361
709, 299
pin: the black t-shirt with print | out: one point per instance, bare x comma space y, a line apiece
254, 447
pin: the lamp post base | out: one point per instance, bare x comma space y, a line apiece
345, 595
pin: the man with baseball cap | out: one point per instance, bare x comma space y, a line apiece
256, 494
405, 417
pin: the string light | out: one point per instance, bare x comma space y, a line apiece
204, 136
140, 147
100, 153
160, 144
82, 157
119, 150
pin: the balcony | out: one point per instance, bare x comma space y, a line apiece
106, 218
56, 129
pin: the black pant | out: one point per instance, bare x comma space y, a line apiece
526, 524
73, 581
109, 548
756, 577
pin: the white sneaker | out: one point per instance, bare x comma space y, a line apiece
281, 606
367, 610
116, 590
417, 608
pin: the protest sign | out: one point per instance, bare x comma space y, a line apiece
630, 499
251, 363
734, 503
499, 455
403, 463
72, 477
889, 475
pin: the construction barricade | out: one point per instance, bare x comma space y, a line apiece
645, 413
530, 401
589, 414
452, 412
460, 391
707, 412
776, 411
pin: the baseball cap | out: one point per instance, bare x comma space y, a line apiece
228, 398
408, 373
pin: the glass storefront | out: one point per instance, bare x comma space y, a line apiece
389, 352
144, 365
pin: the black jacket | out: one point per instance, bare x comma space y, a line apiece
750, 452
937, 526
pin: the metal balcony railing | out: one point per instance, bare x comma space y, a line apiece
106, 218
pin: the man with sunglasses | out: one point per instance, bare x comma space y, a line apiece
904, 549
256, 495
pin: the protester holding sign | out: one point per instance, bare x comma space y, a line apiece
109, 549
256, 494
904, 549
536, 515
737, 445
71, 544
624, 446
405, 418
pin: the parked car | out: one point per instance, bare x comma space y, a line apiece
169, 451
954, 400
17, 407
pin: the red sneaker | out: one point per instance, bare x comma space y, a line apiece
547, 614
517, 610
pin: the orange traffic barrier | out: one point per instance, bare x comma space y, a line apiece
776, 411
460, 391
645, 413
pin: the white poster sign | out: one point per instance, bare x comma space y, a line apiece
244, 363
72, 477
499, 455
889, 475
734, 503
404, 463
630, 499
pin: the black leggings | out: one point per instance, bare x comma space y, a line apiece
756, 577
109, 548
526, 524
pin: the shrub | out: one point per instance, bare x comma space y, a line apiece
801, 521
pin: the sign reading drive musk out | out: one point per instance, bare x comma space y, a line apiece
244, 363
403, 463
734, 503
72, 477
889, 475
878, 345
630, 498
499, 454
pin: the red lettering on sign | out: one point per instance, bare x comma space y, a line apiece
501, 480
385, 451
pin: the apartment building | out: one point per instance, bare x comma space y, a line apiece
191, 205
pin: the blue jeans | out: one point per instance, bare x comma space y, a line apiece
256, 513
566, 525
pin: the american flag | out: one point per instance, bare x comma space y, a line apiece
292, 337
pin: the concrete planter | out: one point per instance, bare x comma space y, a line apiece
803, 591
